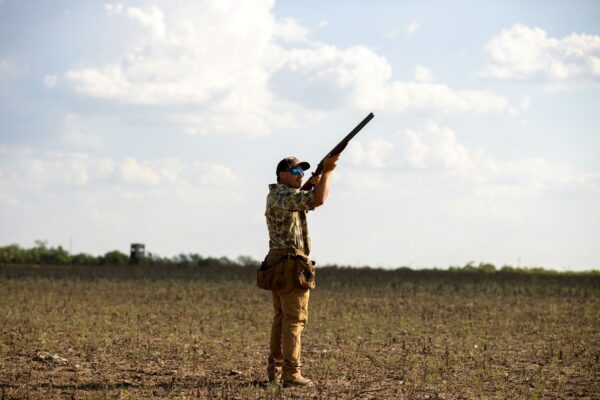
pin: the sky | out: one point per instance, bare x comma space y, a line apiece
162, 122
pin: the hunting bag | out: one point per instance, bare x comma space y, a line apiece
270, 277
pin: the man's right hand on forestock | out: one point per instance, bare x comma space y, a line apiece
329, 163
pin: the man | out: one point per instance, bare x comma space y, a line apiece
289, 243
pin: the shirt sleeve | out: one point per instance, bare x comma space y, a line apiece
298, 200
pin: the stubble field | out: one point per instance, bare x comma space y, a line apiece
168, 332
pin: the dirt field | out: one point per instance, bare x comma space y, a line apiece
167, 332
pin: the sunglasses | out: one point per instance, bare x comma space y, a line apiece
297, 171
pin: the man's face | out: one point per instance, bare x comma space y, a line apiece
292, 178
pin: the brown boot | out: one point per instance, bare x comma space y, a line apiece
298, 380
274, 370
275, 380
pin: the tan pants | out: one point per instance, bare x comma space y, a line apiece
291, 314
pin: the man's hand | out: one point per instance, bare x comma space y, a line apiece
322, 189
314, 180
329, 163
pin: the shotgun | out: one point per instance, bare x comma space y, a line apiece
338, 149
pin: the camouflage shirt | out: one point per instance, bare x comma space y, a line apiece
286, 217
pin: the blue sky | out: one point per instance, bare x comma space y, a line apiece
162, 122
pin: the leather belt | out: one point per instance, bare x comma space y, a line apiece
283, 252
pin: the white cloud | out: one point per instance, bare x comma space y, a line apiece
411, 28
169, 169
353, 66
9, 68
224, 60
77, 137
134, 172
151, 172
116, 8
215, 56
107, 83
521, 52
14, 151
423, 74
416, 152
226, 118
205, 53
290, 31
31, 172
436, 148
49, 81
213, 174
363, 180
363, 79
372, 152
436, 151
153, 18
436, 97
53, 169
393, 34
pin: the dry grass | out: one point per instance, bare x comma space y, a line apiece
203, 332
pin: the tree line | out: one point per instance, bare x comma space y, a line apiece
42, 254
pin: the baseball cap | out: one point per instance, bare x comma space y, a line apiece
291, 162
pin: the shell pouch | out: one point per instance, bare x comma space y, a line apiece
270, 277
304, 275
